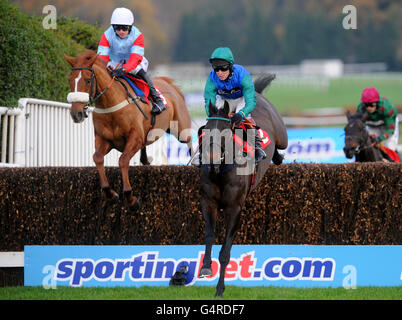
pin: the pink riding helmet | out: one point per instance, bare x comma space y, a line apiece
370, 95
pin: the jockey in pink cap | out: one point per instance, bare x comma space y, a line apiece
382, 122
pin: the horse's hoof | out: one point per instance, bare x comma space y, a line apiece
115, 198
146, 161
111, 196
277, 158
135, 207
219, 293
219, 290
205, 272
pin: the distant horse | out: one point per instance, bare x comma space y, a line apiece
357, 140
122, 122
227, 189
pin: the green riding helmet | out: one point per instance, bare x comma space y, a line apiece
221, 56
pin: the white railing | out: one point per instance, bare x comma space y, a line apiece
41, 133
9, 120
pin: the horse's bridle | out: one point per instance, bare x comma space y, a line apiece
223, 151
360, 141
94, 84
92, 94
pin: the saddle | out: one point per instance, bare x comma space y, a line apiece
142, 91
249, 123
139, 86
241, 140
389, 154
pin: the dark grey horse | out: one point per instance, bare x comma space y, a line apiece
227, 189
357, 140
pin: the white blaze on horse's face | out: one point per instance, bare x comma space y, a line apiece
78, 96
76, 81
79, 100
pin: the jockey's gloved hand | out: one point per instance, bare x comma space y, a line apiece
118, 72
237, 118
377, 140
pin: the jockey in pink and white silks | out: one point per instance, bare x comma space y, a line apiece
124, 43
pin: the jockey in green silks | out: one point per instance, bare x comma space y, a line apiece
232, 83
382, 120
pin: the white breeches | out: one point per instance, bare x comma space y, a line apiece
235, 105
392, 141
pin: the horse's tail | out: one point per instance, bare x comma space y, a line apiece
263, 81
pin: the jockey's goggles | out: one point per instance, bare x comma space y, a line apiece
370, 104
123, 27
222, 68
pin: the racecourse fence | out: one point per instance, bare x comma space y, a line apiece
41, 133
338, 204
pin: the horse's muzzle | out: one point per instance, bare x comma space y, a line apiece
79, 116
349, 152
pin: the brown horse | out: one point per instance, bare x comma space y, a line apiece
120, 122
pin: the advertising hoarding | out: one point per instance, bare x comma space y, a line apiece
311, 145
250, 265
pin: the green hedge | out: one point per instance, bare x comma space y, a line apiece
294, 204
31, 57
86, 35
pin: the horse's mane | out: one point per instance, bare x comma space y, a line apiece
359, 116
221, 113
87, 55
83, 58
356, 116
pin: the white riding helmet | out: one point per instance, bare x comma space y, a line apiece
122, 16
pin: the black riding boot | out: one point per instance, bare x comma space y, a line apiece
259, 152
157, 106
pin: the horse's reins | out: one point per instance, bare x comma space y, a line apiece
361, 140
133, 99
93, 80
218, 144
359, 148
253, 178
216, 127
198, 146
93, 98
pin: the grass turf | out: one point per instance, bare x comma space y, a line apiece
298, 96
341, 92
200, 293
